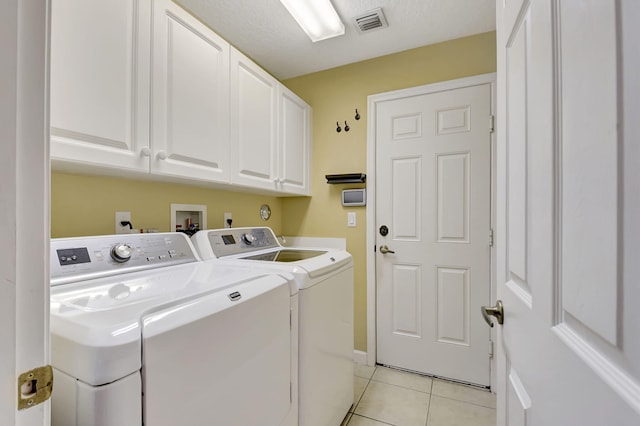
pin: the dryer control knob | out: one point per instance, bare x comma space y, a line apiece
248, 239
121, 252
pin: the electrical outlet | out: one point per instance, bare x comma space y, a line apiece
228, 220
351, 219
123, 217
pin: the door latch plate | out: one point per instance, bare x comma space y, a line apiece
35, 387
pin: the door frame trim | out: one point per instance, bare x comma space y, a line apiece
372, 102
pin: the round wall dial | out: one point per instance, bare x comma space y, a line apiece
265, 212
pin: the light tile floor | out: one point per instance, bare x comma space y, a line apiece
384, 396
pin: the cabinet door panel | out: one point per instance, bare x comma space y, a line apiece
190, 97
100, 82
253, 124
294, 155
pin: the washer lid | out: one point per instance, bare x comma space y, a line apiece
96, 324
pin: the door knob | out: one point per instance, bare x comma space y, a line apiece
385, 250
494, 311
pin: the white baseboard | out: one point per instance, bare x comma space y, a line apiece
360, 357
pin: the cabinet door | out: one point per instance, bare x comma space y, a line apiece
100, 69
254, 124
294, 148
190, 107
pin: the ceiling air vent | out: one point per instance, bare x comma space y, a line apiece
371, 20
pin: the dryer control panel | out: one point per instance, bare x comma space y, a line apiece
231, 241
83, 258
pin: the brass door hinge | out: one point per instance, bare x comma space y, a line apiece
35, 387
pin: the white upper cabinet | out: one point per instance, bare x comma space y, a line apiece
270, 131
294, 143
254, 124
190, 107
145, 87
100, 65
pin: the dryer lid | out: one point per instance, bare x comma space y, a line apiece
96, 325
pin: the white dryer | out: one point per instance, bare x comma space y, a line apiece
142, 332
325, 327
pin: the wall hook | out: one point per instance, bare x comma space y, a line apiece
338, 129
357, 114
346, 126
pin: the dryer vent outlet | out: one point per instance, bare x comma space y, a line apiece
123, 223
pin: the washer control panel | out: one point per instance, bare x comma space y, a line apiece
230, 241
78, 259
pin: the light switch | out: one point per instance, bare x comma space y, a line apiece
351, 219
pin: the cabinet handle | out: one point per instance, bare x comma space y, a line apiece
146, 152
162, 155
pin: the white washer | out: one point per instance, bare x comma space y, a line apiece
142, 332
325, 284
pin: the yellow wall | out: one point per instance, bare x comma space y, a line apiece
334, 95
86, 205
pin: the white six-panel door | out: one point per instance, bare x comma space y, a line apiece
568, 209
433, 176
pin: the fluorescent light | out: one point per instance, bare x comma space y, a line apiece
317, 18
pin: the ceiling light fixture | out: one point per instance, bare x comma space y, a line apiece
317, 18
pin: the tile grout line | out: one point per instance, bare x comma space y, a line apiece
465, 402
427, 392
399, 386
426, 421
375, 420
355, 405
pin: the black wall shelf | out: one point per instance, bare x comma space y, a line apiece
346, 178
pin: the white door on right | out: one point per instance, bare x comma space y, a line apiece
568, 212
433, 181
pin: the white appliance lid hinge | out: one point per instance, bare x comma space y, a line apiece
490, 237
492, 122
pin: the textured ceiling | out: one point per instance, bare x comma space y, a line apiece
264, 30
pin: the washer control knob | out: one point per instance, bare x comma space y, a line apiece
121, 252
248, 239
